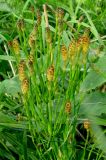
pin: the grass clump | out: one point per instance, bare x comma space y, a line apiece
45, 100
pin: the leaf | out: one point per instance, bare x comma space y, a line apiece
9, 121
10, 86
100, 137
93, 104
65, 38
4, 7
7, 58
96, 77
92, 107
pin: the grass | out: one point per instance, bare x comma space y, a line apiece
52, 89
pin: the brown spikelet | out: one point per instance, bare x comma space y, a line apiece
68, 107
30, 62
79, 44
20, 24
31, 40
35, 31
10, 44
32, 9
72, 49
64, 52
81, 19
25, 86
86, 124
50, 73
21, 70
48, 35
60, 27
60, 13
85, 44
85, 41
16, 47
38, 14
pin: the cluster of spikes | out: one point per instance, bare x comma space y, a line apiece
77, 48
25, 65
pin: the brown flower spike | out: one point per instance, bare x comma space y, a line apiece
20, 24
48, 35
31, 40
30, 62
16, 47
72, 49
68, 107
64, 52
50, 73
60, 13
21, 70
25, 86
38, 14
86, 124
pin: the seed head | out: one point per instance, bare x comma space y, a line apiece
72, 49
21, 25
10, 44
68, 107
85, 44
35, 31
21, 70
25, 86
30, 62
60, 13
38, 14
86, 124
64, 52
32, 9
16, 47
48, 35
60, 27
81, 19
31, 40
50, 73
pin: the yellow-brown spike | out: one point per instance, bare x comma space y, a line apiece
21, 70
85, 41
20, 24
34, 32
31, 40
68, 107
86, 125
81, 18
60, 27
79, 44
64, 53
32, 9
25, 86
60, 13
30, 62
10, 44
16, 47
85, 44
48, 35
50, 73
38, 17
72, 49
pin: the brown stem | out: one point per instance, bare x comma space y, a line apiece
46, 16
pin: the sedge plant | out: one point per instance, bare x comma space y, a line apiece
50, 73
